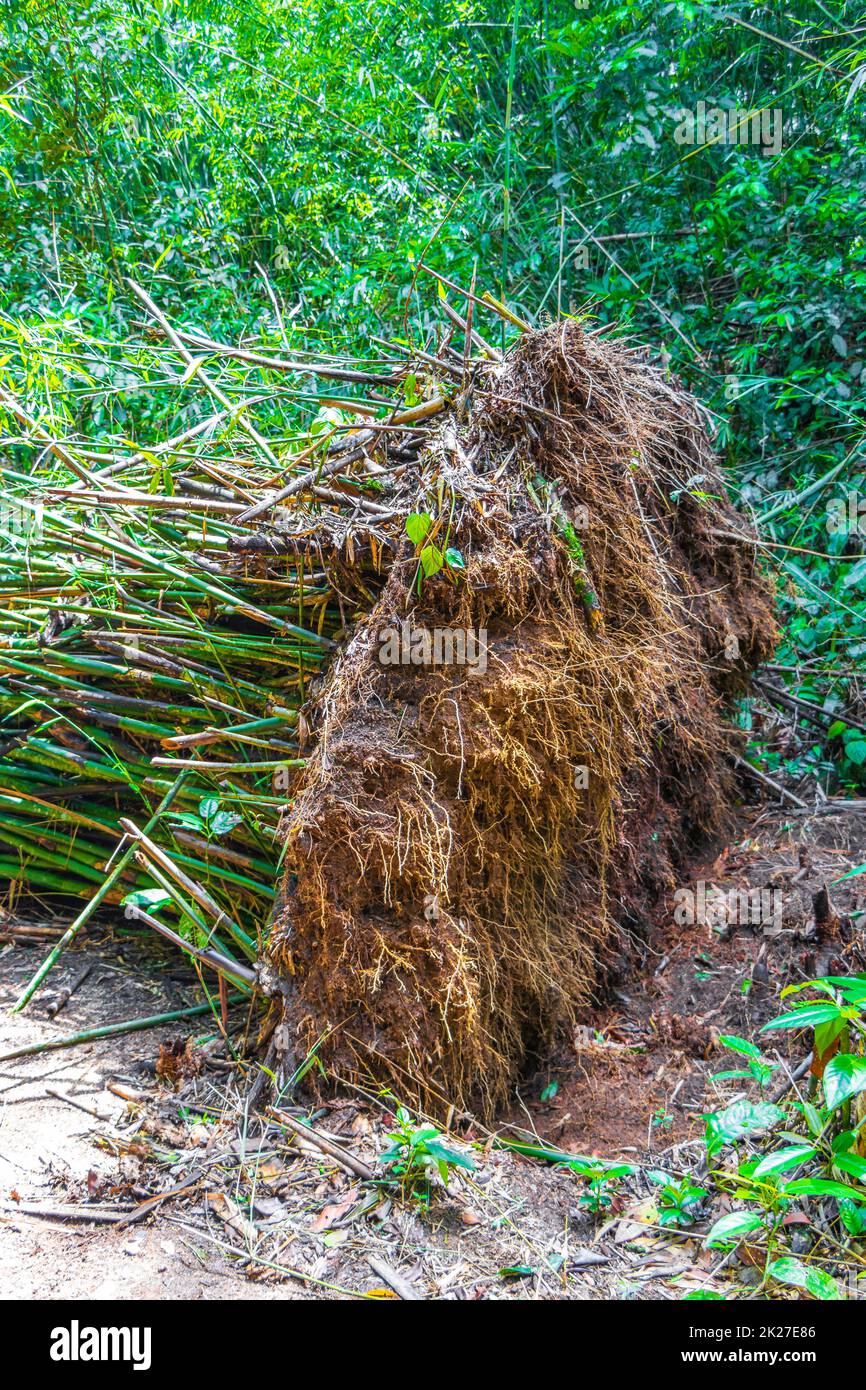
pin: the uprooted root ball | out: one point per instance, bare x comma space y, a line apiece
467, 839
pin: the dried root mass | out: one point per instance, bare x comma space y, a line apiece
468, 840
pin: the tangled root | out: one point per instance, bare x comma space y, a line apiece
467, 841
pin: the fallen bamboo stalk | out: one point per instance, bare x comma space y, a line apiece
427, 357
178, 502
290, 489
354, 1165
109, 1030
771, 782
66, 994
402, 1288
279, 364
67, 1212
199, 894
229, 732
88, 911
30, 933
211, 386
819, 715
506, 313
486, 301
834, 805
214, 959
17, 411
314, 476
150, 1204
202, 764
168, 445
791, 1080
798, 498
356, 500
471, 334
76, 1104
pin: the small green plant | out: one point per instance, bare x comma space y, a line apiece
600, 1193
757, 1068
604, 1183
677, 1199
604, 1180
822, 1153
211, 821
422, 530
417, 1156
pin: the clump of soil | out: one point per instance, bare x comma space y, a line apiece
468, 840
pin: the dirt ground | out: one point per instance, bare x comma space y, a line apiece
636, 1076
52, 1151
91, 1135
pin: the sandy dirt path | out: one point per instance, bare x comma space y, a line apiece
50, 1150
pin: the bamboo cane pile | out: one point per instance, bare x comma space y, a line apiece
164, 608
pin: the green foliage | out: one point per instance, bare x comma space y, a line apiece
417, 1156
739, 1119
211, 821
279, 168
821, 1158
417, 527
757, 1067
677, 1199
731, 1228
432, 558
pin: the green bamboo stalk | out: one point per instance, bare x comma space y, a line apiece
88, 911
110, 1030
66, 883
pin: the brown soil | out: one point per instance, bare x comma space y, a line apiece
636, 1075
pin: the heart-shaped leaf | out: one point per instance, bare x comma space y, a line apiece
431, 560
844, 1077
417, 526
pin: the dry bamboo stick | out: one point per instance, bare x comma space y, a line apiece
279, 364
214, 959
336, 1151
211, 386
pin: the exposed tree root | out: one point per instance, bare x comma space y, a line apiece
465, 843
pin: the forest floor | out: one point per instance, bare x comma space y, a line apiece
99, 1130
